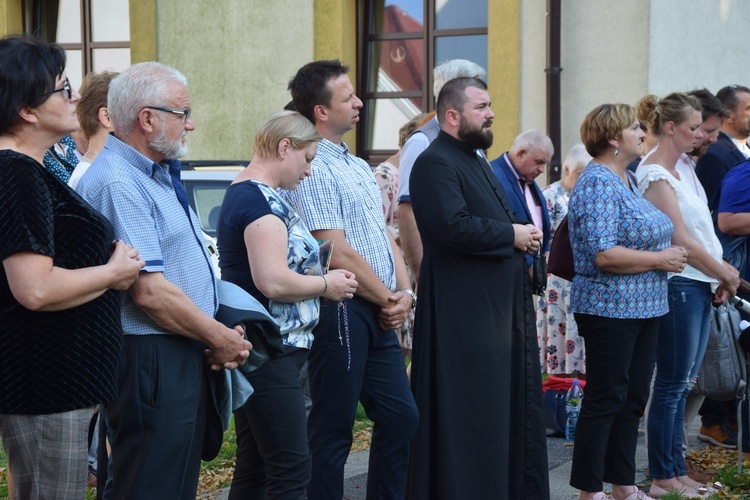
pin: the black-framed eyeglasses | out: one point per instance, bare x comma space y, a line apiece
67, 88
182, 112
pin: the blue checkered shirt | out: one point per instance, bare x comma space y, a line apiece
137, 197
342, 194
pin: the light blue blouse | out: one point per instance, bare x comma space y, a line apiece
603, 213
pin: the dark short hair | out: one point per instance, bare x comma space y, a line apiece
728, 95
29, 69
309, 87
94, 91
453, 94
710, 104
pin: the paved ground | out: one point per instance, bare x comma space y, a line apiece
559, 459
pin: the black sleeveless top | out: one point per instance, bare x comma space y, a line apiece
53, 362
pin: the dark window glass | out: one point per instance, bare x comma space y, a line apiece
397, 16
471, 47
460, 14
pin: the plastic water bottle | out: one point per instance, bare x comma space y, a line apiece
573, 408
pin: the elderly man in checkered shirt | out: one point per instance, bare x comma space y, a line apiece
158, 420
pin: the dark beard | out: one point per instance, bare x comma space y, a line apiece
476, 138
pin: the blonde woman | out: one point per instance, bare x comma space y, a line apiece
683, 331
266, 249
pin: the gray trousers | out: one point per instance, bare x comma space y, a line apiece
47, 453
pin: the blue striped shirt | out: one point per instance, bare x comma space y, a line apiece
137, 197
342, 194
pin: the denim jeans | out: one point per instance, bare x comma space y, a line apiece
680, 347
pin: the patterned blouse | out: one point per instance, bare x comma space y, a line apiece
557, 205
604, 213
244, 203
386, 175
62, 165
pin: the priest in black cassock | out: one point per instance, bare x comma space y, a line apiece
475, 374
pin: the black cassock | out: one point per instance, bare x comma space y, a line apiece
475, 374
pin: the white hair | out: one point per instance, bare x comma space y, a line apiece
532, 140
454, 69
577, 158
141, 85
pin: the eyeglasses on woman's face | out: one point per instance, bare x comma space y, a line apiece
65, 88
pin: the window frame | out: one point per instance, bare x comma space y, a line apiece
429, 36
46, 25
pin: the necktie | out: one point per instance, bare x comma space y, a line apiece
179, 189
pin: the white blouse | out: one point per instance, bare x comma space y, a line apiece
695, 215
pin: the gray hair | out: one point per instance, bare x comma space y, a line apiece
577, 158
141, 85
532, 140
454, 69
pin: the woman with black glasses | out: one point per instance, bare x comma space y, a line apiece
60, 338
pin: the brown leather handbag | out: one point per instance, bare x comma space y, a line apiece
561, 253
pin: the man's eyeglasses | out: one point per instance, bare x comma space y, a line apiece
65, 88
182, 112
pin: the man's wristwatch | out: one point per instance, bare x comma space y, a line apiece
412, 295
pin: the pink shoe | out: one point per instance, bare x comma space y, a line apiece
636, 495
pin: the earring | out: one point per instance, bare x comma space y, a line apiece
617, 151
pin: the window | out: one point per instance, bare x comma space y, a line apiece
94, 33
399, 51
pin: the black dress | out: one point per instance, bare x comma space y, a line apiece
475, 373
53, 362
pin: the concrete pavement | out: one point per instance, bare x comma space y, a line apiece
559, 456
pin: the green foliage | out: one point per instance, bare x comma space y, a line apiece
361, 421
227, 452
3, 479
214, 468
736, 485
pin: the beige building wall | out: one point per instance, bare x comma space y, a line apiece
604, 56
503, 60
695, 43
605, 50
238, 61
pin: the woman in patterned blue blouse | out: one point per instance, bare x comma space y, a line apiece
266, 249
622, 253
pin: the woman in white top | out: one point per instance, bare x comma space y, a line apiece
683, 332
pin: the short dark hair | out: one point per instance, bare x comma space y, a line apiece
710, 104
453, 94
29, 69
728, 96
309, 87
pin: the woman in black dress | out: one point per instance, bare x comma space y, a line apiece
60, 333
